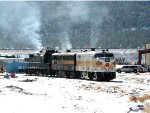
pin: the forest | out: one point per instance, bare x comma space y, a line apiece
74, 24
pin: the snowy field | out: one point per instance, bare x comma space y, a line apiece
32, 94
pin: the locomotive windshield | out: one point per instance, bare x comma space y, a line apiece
100, 55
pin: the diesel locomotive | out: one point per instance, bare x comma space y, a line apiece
91, 65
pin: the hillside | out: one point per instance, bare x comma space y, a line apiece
106, 24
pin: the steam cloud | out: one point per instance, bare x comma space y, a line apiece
20, 24
65, 42
96, 22
69, 13
78, 12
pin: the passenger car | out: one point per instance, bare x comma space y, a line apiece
132, 68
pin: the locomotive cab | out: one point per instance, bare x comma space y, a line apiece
106, 58
96, 65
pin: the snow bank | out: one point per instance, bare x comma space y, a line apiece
31, 94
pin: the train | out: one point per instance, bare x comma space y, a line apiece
84, 64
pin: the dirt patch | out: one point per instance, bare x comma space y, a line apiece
28, 80
14, 88
145, 99
18, 89
21, 90
104, 88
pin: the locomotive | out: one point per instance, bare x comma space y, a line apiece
91, 65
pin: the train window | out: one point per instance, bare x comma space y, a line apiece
99, 55
68, 57
109, 55
65, 58
55, 57
72, 58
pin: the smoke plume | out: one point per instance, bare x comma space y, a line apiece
20, 24
67, 14
97, 19
82, 12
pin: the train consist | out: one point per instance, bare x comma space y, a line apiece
92, 65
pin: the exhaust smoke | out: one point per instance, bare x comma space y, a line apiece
20, 24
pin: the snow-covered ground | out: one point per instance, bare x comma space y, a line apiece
32, 94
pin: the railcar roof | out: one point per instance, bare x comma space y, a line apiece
64, 53
87, 53
90, 52
79, 53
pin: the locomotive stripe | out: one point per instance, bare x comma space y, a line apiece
63, 62
87, 63
93, 64
83, 63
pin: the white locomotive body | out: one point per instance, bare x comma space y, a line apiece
96, 65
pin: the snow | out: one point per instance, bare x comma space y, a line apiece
33, 94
